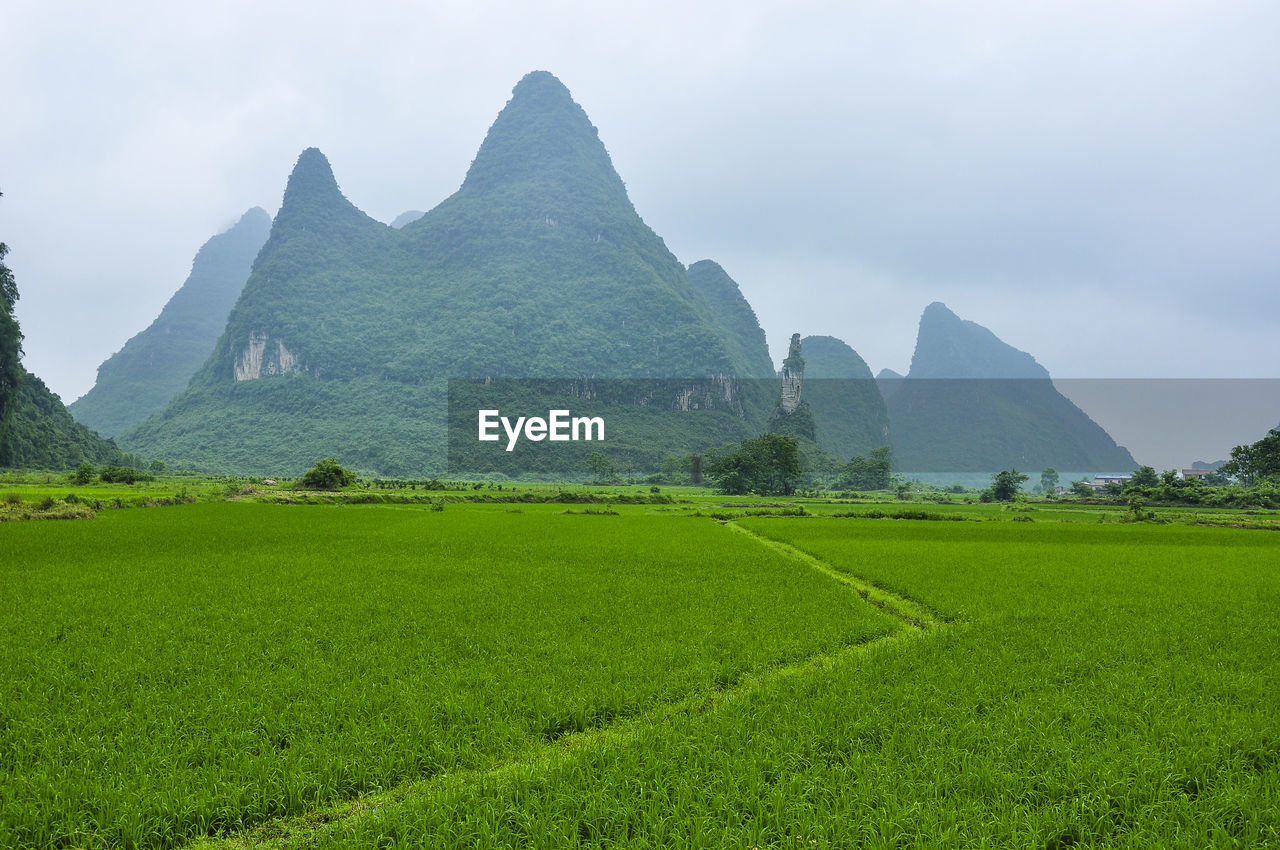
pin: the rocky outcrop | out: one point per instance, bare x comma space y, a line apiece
262, 357
792, 417
792, 376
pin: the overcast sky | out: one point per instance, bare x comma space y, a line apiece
1096, 182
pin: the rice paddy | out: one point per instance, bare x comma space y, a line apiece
520, 675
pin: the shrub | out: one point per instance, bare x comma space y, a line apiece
327, 474
122, 475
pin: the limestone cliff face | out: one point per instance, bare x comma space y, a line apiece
792, 376
262, 356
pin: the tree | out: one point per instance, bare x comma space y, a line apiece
1048, 479
10, 344
1144, 476
872, 473
768, 465
1254, 463
327, 474
1006, 484
602, 468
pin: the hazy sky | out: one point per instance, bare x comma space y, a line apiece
1097, 182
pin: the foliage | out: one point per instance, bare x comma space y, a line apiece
42, 434
122, 475
798, 423
768, 465
603, 470
1048, 479
679, 469
10, 348
871, 473
1006, 484
1143, 476
327, 474
84, 474
1257, 462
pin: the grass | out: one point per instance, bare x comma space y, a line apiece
1092, 686
620, 672
190, 670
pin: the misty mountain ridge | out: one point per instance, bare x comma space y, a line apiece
971, 402
538, 266
156, 364
950, 347
347, 330
406, 217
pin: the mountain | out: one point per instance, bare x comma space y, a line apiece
156, 364
887, 380
42, 434
348, 330
407, 217
950, 347
734, 316
849, 413
972, 403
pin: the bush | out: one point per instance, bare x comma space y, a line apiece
84, 474
122, 475
327, 474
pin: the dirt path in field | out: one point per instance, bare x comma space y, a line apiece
541, 755
912, 613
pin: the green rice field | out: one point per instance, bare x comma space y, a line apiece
636, 675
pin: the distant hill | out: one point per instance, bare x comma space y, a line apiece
849, 413
42, 434
887, 380
156, 364
408, 217
972, 403
347, 330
